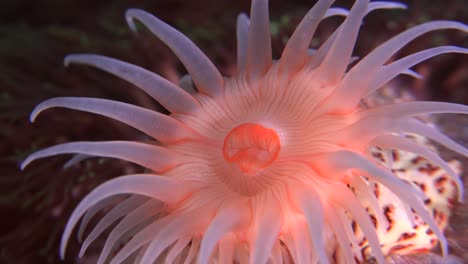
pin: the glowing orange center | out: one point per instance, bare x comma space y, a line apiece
251, 146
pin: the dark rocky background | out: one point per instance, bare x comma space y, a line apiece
35, 35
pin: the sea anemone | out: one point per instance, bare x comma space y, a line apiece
275, 161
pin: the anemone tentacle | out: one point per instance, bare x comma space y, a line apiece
144, 184
259, 41
175, 99
335, 62
150, 156
396, 142
294, 53
354, 86
321, 53
202, 71
390, 71
113, 215
137, 216
154, 124
242, 34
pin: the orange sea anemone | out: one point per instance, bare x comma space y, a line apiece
265, 164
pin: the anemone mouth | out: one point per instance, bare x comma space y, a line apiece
251, 147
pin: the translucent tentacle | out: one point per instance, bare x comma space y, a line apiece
228, 219
346, 224
226, 248
136, 217
354, 86
325, 47
346, 199
362, 187
416, 127
390, 71
276, 255
75, 160
345, 160
182, 225
150, 156
411, 73
339, 230
242, 33
407, 109
336, 60
376, 5
396, 142
204, 74
259, 42
342, 161
310, 204
193, 250
169, 95
268, 220
295, 53
335, 11
91, 213
151, 185
142, 238
176, 249
368, 128
115, 213
159, 126
302, 243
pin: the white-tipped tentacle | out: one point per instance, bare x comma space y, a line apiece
276, 254
396, 142
159, 126
408, 109
226, 248
259, 43
242, 34
177, 249
345, 199
295, 53
335, 11
91, 213
347, 226
150, 156
325, 47
188, 223
193, 250
365, 190
311, 206
75, 160
368, 128
267, 220
228, 219
345, 160
120, 210
204, 74
340, 232
169, 95
336, 61
141, 238
411, 73
134, 218
417, 127
390, 71
300, 246
151, 185
353, 88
